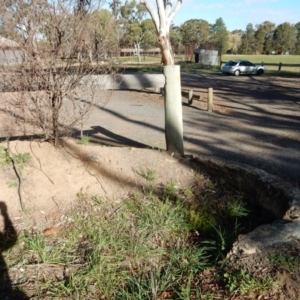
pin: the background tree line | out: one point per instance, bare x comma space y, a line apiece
130, 26
264, 38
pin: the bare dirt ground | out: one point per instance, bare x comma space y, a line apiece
53, 177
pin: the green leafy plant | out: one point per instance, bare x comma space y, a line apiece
84, 140
21, 159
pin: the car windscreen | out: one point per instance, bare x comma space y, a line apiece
231, 63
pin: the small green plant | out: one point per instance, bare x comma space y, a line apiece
4, 157
84, 140
148, 174
236, 208
290, 264
246, 283
21, 159
12, 184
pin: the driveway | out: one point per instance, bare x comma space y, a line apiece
256, 121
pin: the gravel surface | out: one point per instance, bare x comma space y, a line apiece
256, 121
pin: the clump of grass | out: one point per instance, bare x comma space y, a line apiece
84, 140
246, 284
148, 174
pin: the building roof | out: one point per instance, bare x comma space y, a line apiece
7, 43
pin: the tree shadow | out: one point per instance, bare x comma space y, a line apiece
8, 239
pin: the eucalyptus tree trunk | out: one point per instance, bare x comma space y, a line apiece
162, 19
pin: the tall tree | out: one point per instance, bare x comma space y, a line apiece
135, 31
234, 40
219, 36
297, 28
195, 32
115, 7
83, 5
105, 30
176, 38
248, 41
132, 12
263, 37
284, 38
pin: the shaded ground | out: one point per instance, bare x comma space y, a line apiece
256, 121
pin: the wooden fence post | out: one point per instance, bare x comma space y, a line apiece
279, 67
210, 99
190, 97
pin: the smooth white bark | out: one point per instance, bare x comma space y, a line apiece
173, 110
164, 16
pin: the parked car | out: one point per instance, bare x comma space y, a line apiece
238, 67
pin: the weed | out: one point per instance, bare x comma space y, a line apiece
171, 193
12, 184
236, 208
4, 157
148, 174
290, 264
246, 283
84, 140
21, 159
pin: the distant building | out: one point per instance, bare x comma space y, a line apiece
10, 52
143, 52
206, 57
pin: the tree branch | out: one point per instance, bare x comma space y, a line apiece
153, 14
173, 13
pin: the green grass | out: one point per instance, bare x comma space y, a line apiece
154, 244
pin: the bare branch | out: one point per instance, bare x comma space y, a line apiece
153, 14
173, 13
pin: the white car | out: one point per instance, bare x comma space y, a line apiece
238, 67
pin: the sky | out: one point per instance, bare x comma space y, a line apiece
237, 14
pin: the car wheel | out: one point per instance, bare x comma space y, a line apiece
237, 73
259, 72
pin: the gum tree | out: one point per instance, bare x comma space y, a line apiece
162, 18
162, 15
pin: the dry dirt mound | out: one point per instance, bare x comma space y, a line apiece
53, 177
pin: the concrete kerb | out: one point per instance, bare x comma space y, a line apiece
279, 198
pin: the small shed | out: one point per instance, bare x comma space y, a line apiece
206, 57
10, 52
